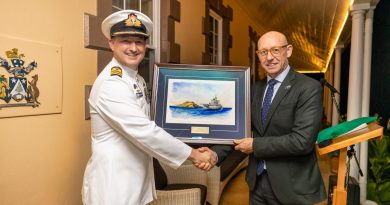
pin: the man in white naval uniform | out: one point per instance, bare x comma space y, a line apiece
124, 139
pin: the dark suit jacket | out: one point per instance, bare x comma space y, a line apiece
286, 142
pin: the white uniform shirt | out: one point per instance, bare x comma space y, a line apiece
124, 140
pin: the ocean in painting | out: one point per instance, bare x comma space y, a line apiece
184, 112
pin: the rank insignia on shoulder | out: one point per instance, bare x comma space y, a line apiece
116, 71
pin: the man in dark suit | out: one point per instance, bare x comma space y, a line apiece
286, 118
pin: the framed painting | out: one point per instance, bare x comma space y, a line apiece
202, 103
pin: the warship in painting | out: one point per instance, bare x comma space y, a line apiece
213, 104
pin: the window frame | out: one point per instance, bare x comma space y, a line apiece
226, 13
253, 61
216, 55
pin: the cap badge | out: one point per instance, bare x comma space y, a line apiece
132, 20
116, 71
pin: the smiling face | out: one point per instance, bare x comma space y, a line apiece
129, 50
273, 52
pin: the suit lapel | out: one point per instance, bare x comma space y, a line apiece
257, 104
284, 88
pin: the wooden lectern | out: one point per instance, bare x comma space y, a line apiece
341, 143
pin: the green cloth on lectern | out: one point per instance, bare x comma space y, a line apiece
342, 128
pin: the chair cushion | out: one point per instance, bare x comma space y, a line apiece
203, 189
230, 163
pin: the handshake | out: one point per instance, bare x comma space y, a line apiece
203, 158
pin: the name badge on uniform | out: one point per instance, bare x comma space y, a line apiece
147, 94
138, 91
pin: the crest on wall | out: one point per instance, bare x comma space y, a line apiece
17, 87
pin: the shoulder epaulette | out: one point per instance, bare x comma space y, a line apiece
116, 71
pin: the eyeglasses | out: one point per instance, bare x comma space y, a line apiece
275, 51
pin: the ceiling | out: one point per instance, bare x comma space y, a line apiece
313, 27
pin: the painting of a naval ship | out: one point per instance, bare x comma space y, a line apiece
190, 109
200, 102
213, 105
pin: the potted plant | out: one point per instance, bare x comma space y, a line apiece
378, 186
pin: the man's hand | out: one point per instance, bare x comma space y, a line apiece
213, 158
244, 145
203, 158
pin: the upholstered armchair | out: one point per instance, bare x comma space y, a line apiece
185, 185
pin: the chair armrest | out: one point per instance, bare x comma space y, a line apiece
214, 185
177, 197
185, 174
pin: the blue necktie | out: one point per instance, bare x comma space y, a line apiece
264, 110
267, 100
